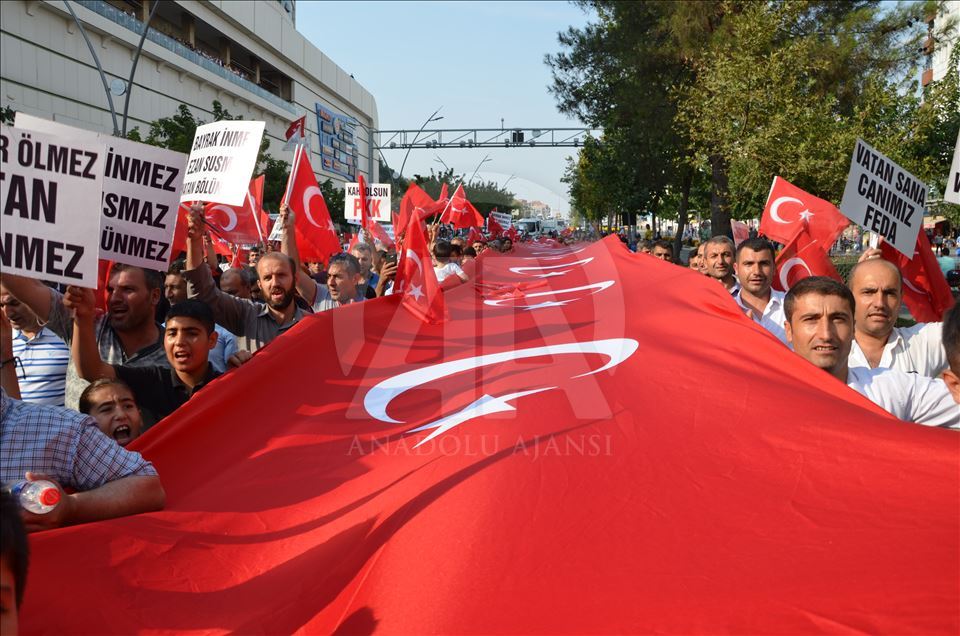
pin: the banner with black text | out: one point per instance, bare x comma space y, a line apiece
50, 196
882, 197
141, 192
222, 160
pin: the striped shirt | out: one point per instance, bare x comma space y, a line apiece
42, 372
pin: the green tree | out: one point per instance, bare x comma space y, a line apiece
740, 91
484, 195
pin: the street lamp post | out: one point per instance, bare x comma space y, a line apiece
431, 118
482, 161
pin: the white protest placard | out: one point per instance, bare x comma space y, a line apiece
504, 219
378, 198
952, 193
221, 162
50, 206
882, 197
141, 193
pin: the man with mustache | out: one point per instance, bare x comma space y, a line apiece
819, 325
718, 262
877, 286
255, 324
755, 269
127, 335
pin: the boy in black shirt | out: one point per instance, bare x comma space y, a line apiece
187, 340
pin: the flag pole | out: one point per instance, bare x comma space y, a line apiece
253, 211
293, 172
449, 201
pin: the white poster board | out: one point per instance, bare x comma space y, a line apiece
141, 193
221, 162
378, 198
504, 219
952, 193
50, 205
882, 197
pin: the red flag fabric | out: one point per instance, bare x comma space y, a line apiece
474, 236
240, 258
238, 224
789, 209
741, 232
102, 298
179, 243
804, 256
494, 229
925, 288
512, 233
590, 469
415, 200
316, 234
416, 279
380, 234
297, 126
354, 239
460, 212
364, 204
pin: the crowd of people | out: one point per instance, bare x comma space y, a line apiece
81, 383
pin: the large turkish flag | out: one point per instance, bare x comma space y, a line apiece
613, 448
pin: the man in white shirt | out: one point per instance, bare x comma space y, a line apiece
755, 269
951, 344
877, 289
819, 325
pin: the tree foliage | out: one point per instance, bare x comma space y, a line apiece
733, 93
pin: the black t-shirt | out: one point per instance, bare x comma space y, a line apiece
158, 390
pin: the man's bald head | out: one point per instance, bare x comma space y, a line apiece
873, 265
877, 287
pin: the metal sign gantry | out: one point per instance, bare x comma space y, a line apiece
483, 138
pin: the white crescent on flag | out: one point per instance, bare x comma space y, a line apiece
308, 194
231, 217
378, 398
775, 209
787, 266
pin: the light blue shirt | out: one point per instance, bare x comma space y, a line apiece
42, 368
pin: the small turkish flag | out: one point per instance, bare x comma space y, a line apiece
239, 224
416, 279
493, 228
461, 212
316, 235
474, 236
417, 203
804, 256
379, 234
789, 209
297, 127
925, 289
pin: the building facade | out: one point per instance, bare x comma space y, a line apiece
245, 54
940, 44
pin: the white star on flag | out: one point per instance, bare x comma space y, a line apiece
416, 291
805, 215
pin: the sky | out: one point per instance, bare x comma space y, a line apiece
476, 61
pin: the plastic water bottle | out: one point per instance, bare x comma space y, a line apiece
39, 497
